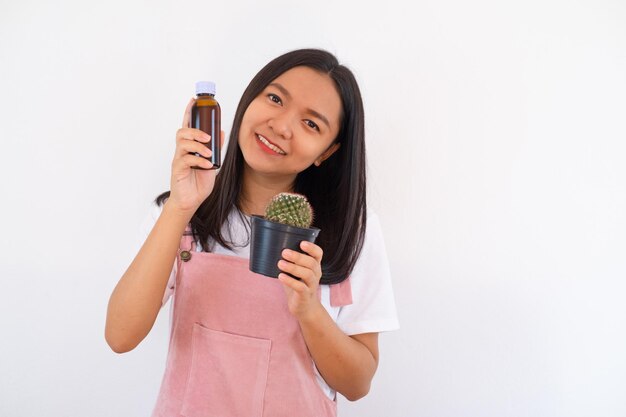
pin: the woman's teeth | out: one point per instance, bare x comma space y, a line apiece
270, 145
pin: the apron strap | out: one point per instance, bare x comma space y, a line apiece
187, 242
341, 293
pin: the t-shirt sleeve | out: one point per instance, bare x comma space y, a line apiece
145, 229
373, 307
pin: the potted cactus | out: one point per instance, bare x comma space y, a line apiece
286, 223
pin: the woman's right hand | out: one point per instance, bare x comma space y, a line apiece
189, 187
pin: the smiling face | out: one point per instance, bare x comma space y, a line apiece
291, 124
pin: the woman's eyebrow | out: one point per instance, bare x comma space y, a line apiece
319, 116
286, 93
282, 89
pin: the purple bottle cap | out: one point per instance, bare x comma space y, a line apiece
205, 87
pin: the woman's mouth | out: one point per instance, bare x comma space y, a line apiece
268, 146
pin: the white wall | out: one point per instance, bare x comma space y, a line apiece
496, 152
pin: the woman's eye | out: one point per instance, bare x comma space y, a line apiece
274, 98
312, 125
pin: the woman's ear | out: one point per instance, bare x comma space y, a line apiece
327, 153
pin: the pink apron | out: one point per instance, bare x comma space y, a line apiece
235, 350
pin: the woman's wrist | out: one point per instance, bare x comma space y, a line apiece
313, 316
171, 210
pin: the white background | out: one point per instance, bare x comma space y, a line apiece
496, 146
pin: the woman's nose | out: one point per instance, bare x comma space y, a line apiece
281, 125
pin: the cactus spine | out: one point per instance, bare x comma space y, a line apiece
290, 208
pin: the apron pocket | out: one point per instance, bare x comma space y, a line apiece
228, 375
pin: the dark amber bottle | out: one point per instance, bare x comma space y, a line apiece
206, 115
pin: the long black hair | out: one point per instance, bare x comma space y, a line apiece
336, 189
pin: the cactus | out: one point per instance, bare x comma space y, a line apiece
290, 208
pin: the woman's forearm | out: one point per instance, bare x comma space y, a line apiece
136, 300
346, 363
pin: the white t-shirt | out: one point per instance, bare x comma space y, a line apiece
373, 307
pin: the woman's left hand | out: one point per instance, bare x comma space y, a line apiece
301, 295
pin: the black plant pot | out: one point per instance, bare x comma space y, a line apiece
268, 241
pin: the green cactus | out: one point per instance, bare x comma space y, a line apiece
290, 208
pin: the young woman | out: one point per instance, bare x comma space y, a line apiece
243, 344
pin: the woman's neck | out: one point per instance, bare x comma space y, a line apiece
257, 190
